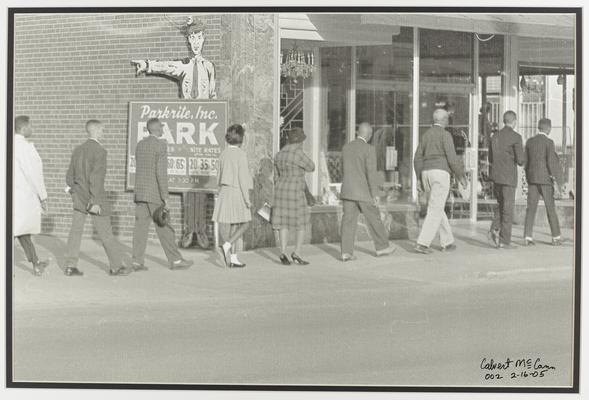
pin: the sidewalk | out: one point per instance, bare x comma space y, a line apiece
403, 319
474, 260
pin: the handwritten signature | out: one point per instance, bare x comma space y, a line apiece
515, 368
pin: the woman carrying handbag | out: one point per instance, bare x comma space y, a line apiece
291, 207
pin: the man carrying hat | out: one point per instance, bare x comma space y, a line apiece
151, 191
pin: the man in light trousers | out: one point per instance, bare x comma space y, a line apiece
434, 160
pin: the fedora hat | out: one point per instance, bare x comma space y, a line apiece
161, 216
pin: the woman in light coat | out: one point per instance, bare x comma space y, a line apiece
30, 196
233, 206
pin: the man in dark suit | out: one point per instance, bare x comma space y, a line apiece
505, 154
360, 194
542, 169
435, 159
151, 191
85, 180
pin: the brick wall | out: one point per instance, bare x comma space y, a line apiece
73, 67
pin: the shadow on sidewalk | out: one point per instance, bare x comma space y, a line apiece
57, 247
472, 241
271, 254
20, 260
128, 255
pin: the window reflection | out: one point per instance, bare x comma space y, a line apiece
383, 98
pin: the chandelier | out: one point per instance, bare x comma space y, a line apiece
295, 63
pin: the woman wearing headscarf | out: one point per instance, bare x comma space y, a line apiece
290, 209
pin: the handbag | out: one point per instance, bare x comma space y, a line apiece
265, 212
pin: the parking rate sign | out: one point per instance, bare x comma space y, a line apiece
195, 133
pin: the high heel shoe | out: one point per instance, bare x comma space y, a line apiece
284, 259
298, 259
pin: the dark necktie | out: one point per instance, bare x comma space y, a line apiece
194, 93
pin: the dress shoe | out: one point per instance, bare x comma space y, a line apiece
386, 251
73, 271
39, 267
181, 264
348, 257
139, 267
236, 265
419, 248
507, 246
556, 241
284, 259
449, 247
494, 234
298, 259
121, 271
529, 242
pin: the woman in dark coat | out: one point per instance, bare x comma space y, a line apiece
290, 209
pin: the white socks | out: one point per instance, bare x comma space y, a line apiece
226, 246
234, 259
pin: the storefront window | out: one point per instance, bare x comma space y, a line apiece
491, 67
383, 98
336, 80
445, 56
546, 90
446, 81
291, 110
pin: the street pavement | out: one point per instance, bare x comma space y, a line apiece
403, 319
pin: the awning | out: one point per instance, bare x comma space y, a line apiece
334, 28
557, 26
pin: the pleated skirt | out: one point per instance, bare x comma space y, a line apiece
230, 207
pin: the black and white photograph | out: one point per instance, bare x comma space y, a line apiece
293, 198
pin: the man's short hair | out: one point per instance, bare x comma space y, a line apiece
234, 134
440, 115
364, 126
151, 122
544, 123
509, 117
20, 122
92, 124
